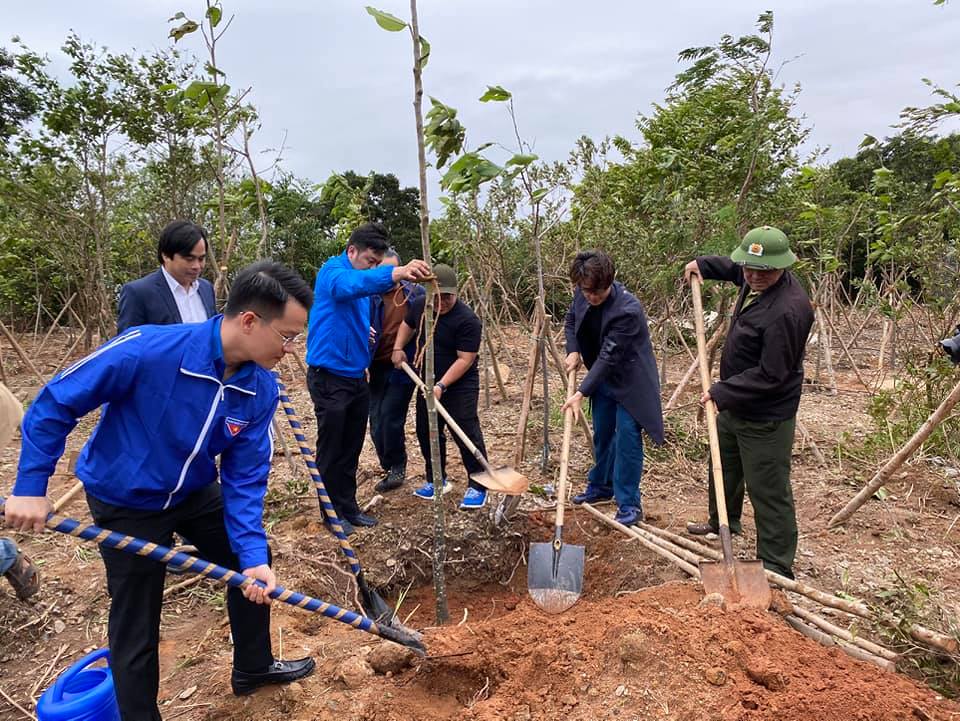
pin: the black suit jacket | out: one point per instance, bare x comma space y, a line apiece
148, 301
625, 361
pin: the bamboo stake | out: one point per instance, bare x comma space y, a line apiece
693, 369
68, 496
527, 393
826, 639
826, 350
846, 352
20, 352
899, 458
834, 630
53, 325
581, 419
808, 439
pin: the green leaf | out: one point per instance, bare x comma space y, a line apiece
522, 159
881, 493
867, 141
167, 87
178, 33
424, 51
179, 16
213, 15
496, 94
212, 70
386, 20
539, 194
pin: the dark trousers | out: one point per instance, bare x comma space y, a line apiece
618, 447
756, 458
462, 407
135, 585
341, 405
389, 402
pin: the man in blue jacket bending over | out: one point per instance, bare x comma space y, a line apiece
338, 353
175, 397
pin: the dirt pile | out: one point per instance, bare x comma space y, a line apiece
656, 654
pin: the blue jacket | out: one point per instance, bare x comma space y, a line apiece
338, 332
625, 362
410, 291
148, 300
167, 417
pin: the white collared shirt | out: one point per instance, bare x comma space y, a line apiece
189, 302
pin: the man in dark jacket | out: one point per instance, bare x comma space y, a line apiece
606, 330
761, 378
338, 354
175, 292
390, 388
176, 400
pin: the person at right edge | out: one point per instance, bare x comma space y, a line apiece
757, 396
606, 329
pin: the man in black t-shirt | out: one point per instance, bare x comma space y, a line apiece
456, 342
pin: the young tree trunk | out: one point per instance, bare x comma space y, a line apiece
439, 530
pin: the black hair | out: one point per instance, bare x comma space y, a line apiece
372, 236
264, 287
179, 236
593, 269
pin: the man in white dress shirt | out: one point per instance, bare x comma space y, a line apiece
175, 293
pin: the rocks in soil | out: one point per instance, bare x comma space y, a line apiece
713, 600
762, 671
634, 648
389, 657
353, 672
715, 675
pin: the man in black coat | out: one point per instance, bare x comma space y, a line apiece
175, 292
761, 378
606, 330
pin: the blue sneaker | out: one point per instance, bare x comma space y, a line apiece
474, 498
629, 515
426, 490
592, 495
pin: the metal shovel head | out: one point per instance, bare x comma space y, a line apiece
506, 480
741, 583
555, 577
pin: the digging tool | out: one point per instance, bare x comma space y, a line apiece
373, 604
506, 479
739, 582
555, 570
156, 552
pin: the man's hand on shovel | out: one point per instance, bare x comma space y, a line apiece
573, 403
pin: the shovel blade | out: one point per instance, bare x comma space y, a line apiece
555, 577
506, 480
741, 583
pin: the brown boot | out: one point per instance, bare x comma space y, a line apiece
701, 529
23, 576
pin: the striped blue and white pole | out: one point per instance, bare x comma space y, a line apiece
186, 562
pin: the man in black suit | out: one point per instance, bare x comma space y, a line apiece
606, 330
174, 293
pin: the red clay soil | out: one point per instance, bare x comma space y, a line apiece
655, 654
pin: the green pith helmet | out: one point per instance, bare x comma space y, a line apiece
765, 248
446, 278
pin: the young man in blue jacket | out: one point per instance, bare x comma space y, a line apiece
606, 330
174, 398
338, 353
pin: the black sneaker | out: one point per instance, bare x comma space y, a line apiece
362, 519
392, 481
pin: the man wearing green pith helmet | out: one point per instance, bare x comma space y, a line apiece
761, 378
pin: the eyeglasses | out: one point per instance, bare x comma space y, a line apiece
287, 340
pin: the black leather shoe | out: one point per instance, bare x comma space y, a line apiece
362, 519
393, 480
245, 682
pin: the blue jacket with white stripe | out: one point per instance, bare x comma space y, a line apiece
167, 414
338, 331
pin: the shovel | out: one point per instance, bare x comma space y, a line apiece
739, 582
373, 604
138, 547
555, 570
506, 479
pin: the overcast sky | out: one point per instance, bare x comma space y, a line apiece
340, 88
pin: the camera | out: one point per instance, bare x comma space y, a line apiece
951, 346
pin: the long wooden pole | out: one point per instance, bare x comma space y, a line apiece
20, 352
899, 458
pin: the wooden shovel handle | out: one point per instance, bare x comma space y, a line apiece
565, 450
711, 407
450, 422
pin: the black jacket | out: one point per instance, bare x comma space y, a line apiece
148, 301
625, 361
761, 369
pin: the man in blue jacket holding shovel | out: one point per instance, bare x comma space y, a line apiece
175, 398
338, 353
